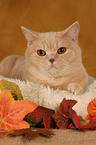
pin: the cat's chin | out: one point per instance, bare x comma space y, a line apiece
53, 71
52, 66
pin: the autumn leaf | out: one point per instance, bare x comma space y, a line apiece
67, 118
12, 112
66, 109
61, 121
92, 111
83, 121
12, 87
41, 113
5, 133
30, 134
89, 126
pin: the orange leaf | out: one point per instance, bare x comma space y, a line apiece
92, 111
12, 112
5, 133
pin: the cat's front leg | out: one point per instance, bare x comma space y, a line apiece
75, 88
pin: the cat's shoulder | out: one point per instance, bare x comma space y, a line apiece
7, 64
11, 59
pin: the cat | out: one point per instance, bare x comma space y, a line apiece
52, 59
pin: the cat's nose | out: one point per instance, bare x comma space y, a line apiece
52, 60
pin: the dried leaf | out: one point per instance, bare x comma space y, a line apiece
67, 118
61, 121
45, 132
12, 112
83, 121
42, 113
92, 111
66, 109
5, 133
12, 87
30, 134
89, 126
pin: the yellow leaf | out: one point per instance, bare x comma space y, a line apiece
12, 87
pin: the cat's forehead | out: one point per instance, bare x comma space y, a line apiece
49, 36
51, 40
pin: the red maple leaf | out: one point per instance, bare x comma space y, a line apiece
89, 126
67, 118
61, 121
42, 113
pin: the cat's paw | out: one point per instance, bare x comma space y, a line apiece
75, 88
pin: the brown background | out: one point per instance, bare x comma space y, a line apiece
48, 15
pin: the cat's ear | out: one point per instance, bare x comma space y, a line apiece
73, 31
29, 35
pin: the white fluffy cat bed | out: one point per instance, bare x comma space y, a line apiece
49, 98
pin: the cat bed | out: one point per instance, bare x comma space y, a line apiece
47, 97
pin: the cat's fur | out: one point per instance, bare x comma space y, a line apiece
62, 71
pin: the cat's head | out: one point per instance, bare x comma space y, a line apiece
53, 52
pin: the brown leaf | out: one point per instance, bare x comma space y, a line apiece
61, 121
45, 132
89, 126
42, 113
66, 109
30, 134
67, 118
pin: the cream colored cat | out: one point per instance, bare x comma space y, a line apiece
52, 58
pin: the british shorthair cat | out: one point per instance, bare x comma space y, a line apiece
52, 58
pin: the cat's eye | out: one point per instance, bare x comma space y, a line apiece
41, 52
61, 50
